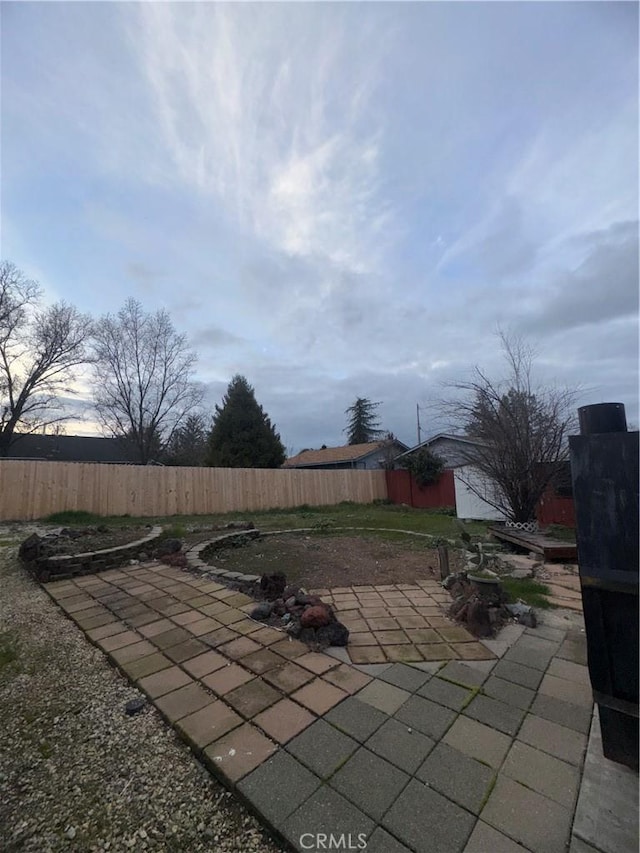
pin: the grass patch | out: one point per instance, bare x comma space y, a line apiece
529, 591
559, 531
347, 514
73, 516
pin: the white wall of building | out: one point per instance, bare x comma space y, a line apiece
468, 503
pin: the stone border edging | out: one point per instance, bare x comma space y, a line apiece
195, 563
64, 566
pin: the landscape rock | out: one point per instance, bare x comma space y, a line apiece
262, 611
521, 574
168, 546
134, 706
240, 525
524, 614
316, 617
333, 634
30, 549
273, 586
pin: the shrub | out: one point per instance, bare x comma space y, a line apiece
425, 466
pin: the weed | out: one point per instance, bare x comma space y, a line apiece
73, 516
529, 591
174, 531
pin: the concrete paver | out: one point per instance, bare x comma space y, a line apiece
536, 822
543, 773
352, 780
284, 720
464, 674
486, 839
525, 676
400, 745
279, 786
322, 748
425, 716
451, 695
426, 821
209, 723
564, 713
406, 677
478, 741
239, 752
568, 691
357, 719
182, 702
383, 696
559, 741
326, 812
406, 751
459, 777
498, 715
508, 692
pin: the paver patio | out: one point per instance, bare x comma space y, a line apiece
418, 753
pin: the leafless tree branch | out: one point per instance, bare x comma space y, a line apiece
39, 351
144, 372
519, 430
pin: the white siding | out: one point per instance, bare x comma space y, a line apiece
468, 503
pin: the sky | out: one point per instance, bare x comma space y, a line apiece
336, 200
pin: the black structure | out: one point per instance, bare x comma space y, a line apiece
604, 468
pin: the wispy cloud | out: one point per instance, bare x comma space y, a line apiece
255, 110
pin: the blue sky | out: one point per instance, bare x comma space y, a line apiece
336, 200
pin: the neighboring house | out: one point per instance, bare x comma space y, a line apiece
454, 450
69, 448
373, 455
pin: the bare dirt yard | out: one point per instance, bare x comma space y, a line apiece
316, 561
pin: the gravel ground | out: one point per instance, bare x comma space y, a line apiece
77, 774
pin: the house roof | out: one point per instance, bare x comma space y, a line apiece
446, 435
68, 448
332, 455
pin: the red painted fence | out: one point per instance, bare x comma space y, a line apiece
554, 509
403, 489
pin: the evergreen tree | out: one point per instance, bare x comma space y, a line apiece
188, 444
362, 423
242, 436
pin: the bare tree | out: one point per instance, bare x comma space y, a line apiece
39, 350
520, 432
144, 378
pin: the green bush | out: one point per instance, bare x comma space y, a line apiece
425, 466
73, 516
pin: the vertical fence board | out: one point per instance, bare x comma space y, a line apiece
34, 489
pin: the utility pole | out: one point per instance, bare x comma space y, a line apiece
418, 418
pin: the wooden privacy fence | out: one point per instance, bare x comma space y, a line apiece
402, 488
30, 489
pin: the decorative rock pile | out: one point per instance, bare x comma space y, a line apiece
481, 605
305, 617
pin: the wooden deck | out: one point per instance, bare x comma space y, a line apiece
551, 549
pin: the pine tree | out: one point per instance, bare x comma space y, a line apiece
242, 436
362, 424
188, 444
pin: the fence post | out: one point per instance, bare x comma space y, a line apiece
443, 557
